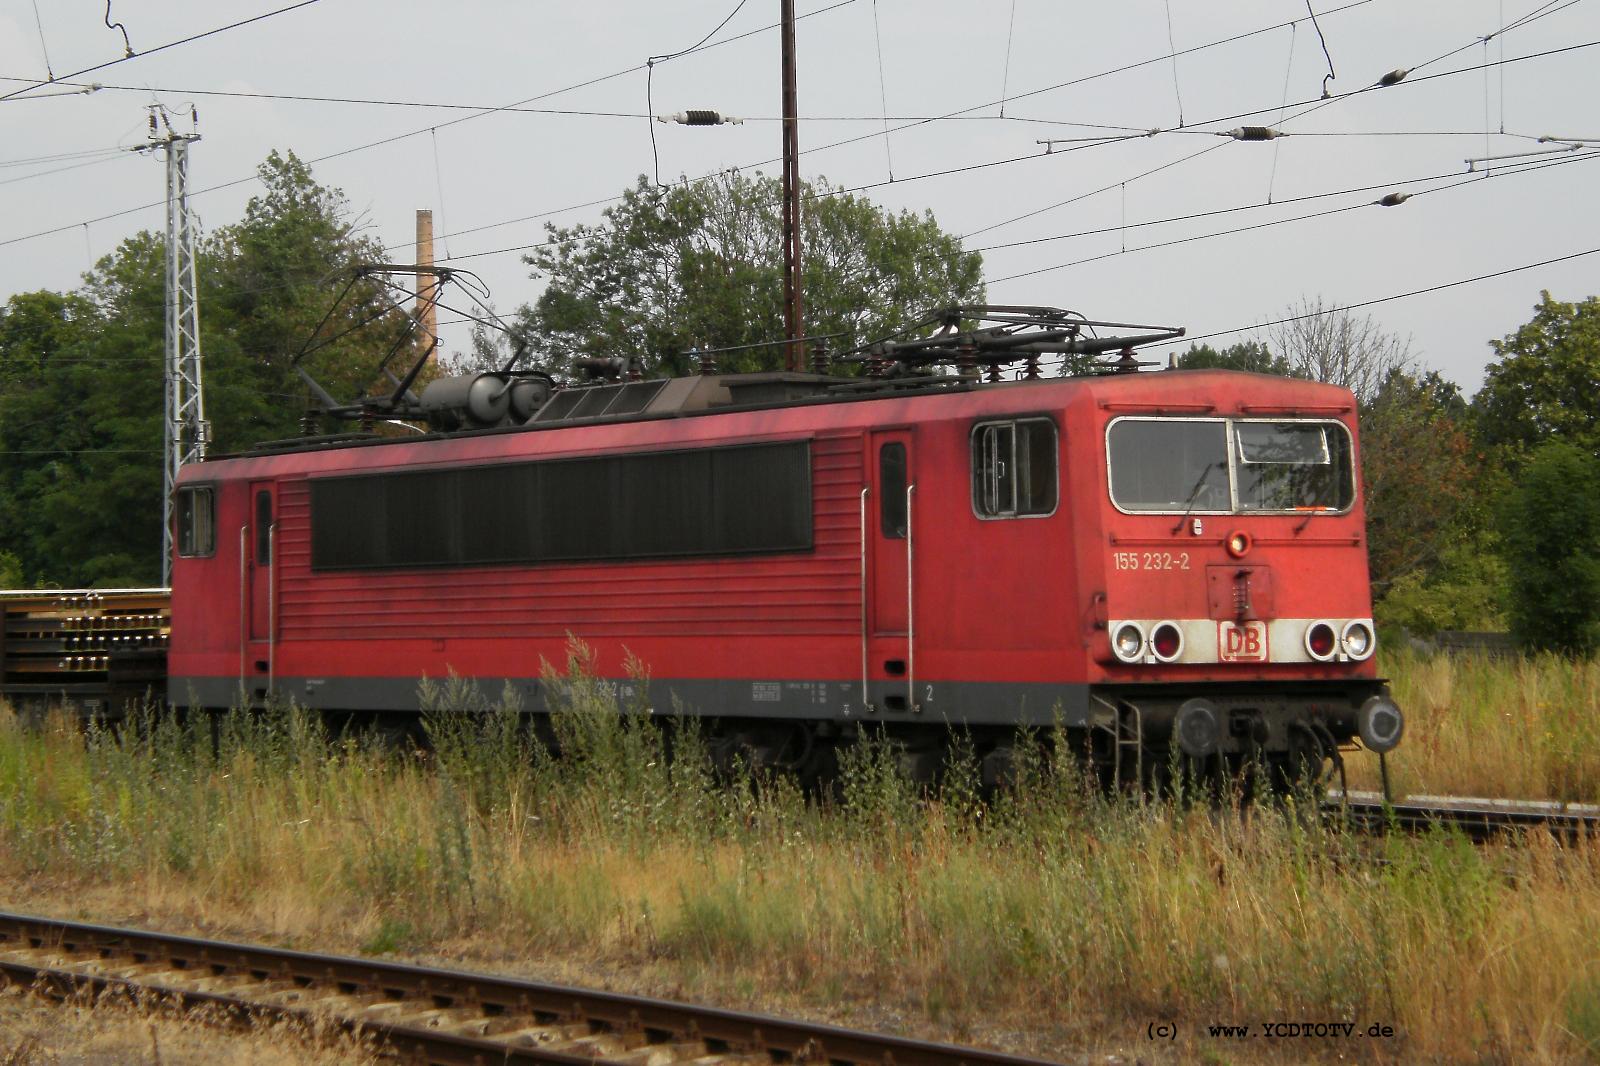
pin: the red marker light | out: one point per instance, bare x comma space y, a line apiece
1320, 640
1166, 642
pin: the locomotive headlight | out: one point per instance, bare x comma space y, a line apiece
1358, 640
1166, 641
1321, 641
1380, 723
1127, 641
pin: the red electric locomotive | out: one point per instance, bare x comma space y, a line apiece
1158, 561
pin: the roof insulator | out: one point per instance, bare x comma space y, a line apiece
1394, 77
1394, 199
701, 118
1254, 133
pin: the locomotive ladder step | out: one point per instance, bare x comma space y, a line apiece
1125, 723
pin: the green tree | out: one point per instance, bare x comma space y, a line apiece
10, 571
1545, 381
268, 281
1550, 524
700, 265
1251, 356
1417, 457
81, 374
1431, 546
81, 464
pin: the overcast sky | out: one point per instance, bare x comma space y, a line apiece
1056, 64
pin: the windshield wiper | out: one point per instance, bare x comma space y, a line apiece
1194, 495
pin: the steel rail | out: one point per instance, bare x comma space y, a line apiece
429, 1015
1481, 820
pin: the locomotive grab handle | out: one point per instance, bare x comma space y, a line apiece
865, 701
911, 616
244, 610
272, 605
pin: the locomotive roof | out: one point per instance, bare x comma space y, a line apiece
1168, 391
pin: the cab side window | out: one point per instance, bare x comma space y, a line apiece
197, 521
892, 490
1014, 468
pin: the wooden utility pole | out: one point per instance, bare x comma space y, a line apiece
427, 283
793, 287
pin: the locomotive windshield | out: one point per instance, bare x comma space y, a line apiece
1222, 466
1292, 466
1175, 465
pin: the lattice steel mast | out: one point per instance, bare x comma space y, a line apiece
186, 428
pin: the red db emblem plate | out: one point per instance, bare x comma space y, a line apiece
1245, 643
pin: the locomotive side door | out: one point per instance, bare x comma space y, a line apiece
888, 541
257, 573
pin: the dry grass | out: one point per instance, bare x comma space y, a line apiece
1475, 726
1050, 921
41, 1032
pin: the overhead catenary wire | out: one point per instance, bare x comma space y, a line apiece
1070, 82
883, 91
62, 170
1542, 11
1314, 106
400, 136
841, 3
1173, 45
621, 73
84, 87
60, 157
1326, 54
949, 116
1194, 338
1393, 199
131, 55
1396, 296
1468, 180
1409, 81
1288, 68
127, 45
438, 185
1306, 198
843, 191
1461, 181
612, 199
649, 82
1005, 76
43, 47
847, 190
1317, 104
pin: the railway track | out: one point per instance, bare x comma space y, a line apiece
425, 1015
1479, 819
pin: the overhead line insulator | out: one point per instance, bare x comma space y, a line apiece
1253, 133
701, 118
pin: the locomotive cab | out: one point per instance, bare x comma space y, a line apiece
1236, 621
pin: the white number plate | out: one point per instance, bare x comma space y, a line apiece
1150, 560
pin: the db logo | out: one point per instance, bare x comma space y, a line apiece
1242, 644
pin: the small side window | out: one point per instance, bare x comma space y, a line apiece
892, 489
1014, 468
263, 528
197, 521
